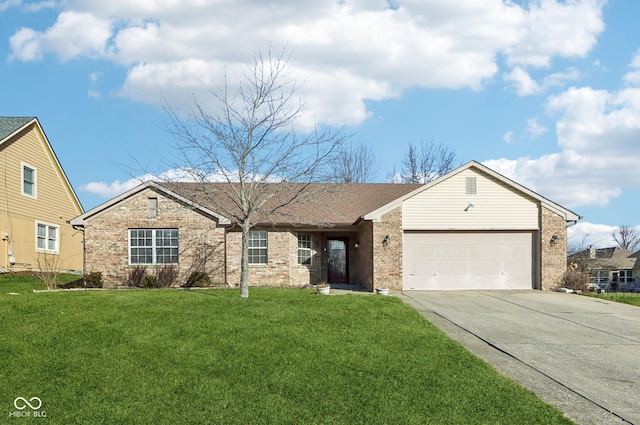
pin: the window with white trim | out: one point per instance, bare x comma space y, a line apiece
46, 237
153, 246
257, 247
304, 249
28, 181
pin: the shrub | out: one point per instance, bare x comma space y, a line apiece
149, 281
575, 280
135, 276
167, 275
196, 279
93, 280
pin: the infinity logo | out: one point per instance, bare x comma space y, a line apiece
25, 403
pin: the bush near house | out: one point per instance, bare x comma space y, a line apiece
572, 279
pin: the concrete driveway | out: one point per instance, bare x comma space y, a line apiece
577, 353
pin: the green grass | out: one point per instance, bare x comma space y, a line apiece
207, 356
620, 297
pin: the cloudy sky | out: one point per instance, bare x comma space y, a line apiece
546, 92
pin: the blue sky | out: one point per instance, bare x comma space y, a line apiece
546, 92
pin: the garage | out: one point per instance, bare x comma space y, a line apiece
468, 260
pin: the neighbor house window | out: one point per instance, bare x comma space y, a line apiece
28, 181
153, 246
258, 247
470, 187
46, 237
625, 276
304, 249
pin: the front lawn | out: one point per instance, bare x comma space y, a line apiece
283, 356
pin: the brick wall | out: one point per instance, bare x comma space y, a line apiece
553, 255
387, 257
201, 243
282, 268
365, 249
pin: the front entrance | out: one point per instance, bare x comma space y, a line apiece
337, 260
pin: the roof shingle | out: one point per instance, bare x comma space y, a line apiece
324, 203
10, 124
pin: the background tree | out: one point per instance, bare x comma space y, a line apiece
627, 237
355, 164
249, 137
426, 162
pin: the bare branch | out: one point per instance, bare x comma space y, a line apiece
427, 162
250, 140
627, 237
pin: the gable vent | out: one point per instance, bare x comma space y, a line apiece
470, 187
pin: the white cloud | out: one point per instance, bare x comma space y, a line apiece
597, 133
556, 28
585, 234
4, 5
347, 52
522, 81
633, 77
38, 6
525, 85
508, 137
110, 190
117, 187
73, 35
534, 128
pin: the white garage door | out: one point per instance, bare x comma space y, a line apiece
474, 260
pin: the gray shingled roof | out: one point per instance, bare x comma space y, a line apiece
10, 124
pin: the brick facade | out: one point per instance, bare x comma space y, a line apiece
282, 268
204, 245
553, 253
107, 239
387, 256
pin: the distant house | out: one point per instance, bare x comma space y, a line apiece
615, 268
470, 229
36, 202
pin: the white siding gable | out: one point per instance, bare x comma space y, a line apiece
447, 206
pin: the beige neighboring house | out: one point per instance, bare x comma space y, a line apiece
36, 202
469, 229
615, 269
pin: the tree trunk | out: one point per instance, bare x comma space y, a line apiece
244, 263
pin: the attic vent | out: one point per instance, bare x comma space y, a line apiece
153, 207
470, 187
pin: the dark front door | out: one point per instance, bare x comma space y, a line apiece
338, 260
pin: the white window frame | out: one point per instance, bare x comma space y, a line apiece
154, 247
255, 253
306, 251
34, 182
47, 238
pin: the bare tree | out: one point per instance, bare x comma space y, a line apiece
355, 164
427, 162
250, 139
627, 237
575, 246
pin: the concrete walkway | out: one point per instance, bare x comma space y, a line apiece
577, 353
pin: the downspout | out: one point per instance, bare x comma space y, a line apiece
226, 280
80, 229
